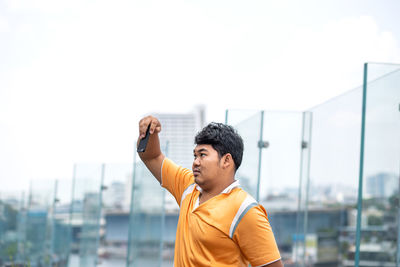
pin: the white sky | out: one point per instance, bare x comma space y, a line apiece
76, 76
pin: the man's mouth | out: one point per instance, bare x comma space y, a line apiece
196, 172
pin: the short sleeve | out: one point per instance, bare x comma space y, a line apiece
256, 239
175, 178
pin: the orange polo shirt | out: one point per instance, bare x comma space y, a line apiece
230, 229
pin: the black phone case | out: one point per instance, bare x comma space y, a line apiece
143, 142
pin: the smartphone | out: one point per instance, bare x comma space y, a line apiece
143, 142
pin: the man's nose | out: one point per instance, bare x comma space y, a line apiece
196, 162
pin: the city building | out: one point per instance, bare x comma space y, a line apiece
177, 141
178, 131
382, 185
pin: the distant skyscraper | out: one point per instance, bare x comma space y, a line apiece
179, 131
382, 185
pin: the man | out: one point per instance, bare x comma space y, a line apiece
219, 224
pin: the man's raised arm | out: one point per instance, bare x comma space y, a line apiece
152, 157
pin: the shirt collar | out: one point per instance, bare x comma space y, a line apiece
226, 190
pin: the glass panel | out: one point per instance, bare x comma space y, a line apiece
332, 190
145, 219
61, 223
169, 221
36, 244
377, 71
381, 169
299, 251
21, 228
86, 211
250, 131
280, 175
11, 208
169, 234
116, 199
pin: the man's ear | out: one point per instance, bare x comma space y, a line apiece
227, 161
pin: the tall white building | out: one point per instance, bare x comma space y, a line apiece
178, 131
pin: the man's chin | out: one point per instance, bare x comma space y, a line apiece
198, 180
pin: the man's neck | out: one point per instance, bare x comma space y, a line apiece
207, 194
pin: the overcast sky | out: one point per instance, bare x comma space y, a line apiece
76, 76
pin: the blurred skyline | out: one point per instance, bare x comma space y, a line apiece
76, 76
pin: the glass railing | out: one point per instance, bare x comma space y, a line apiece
271, 166
329, 221
328, 178
37, 242
310, 174
61, 228
86, 214
11, 209
378, 225
250, 130
35, 230
116, 204
42, 227
297, 244
280, 168
147, 220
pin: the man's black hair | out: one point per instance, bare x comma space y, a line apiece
224, 139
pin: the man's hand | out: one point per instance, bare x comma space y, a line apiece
155, 126
152, 157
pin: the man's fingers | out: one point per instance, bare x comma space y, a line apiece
143, 124
155, 126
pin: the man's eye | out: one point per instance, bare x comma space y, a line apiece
202, 155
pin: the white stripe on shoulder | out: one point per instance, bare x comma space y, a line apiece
268, 263
187, 191
162, 164
247, 203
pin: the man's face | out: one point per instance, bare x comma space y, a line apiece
206, 166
